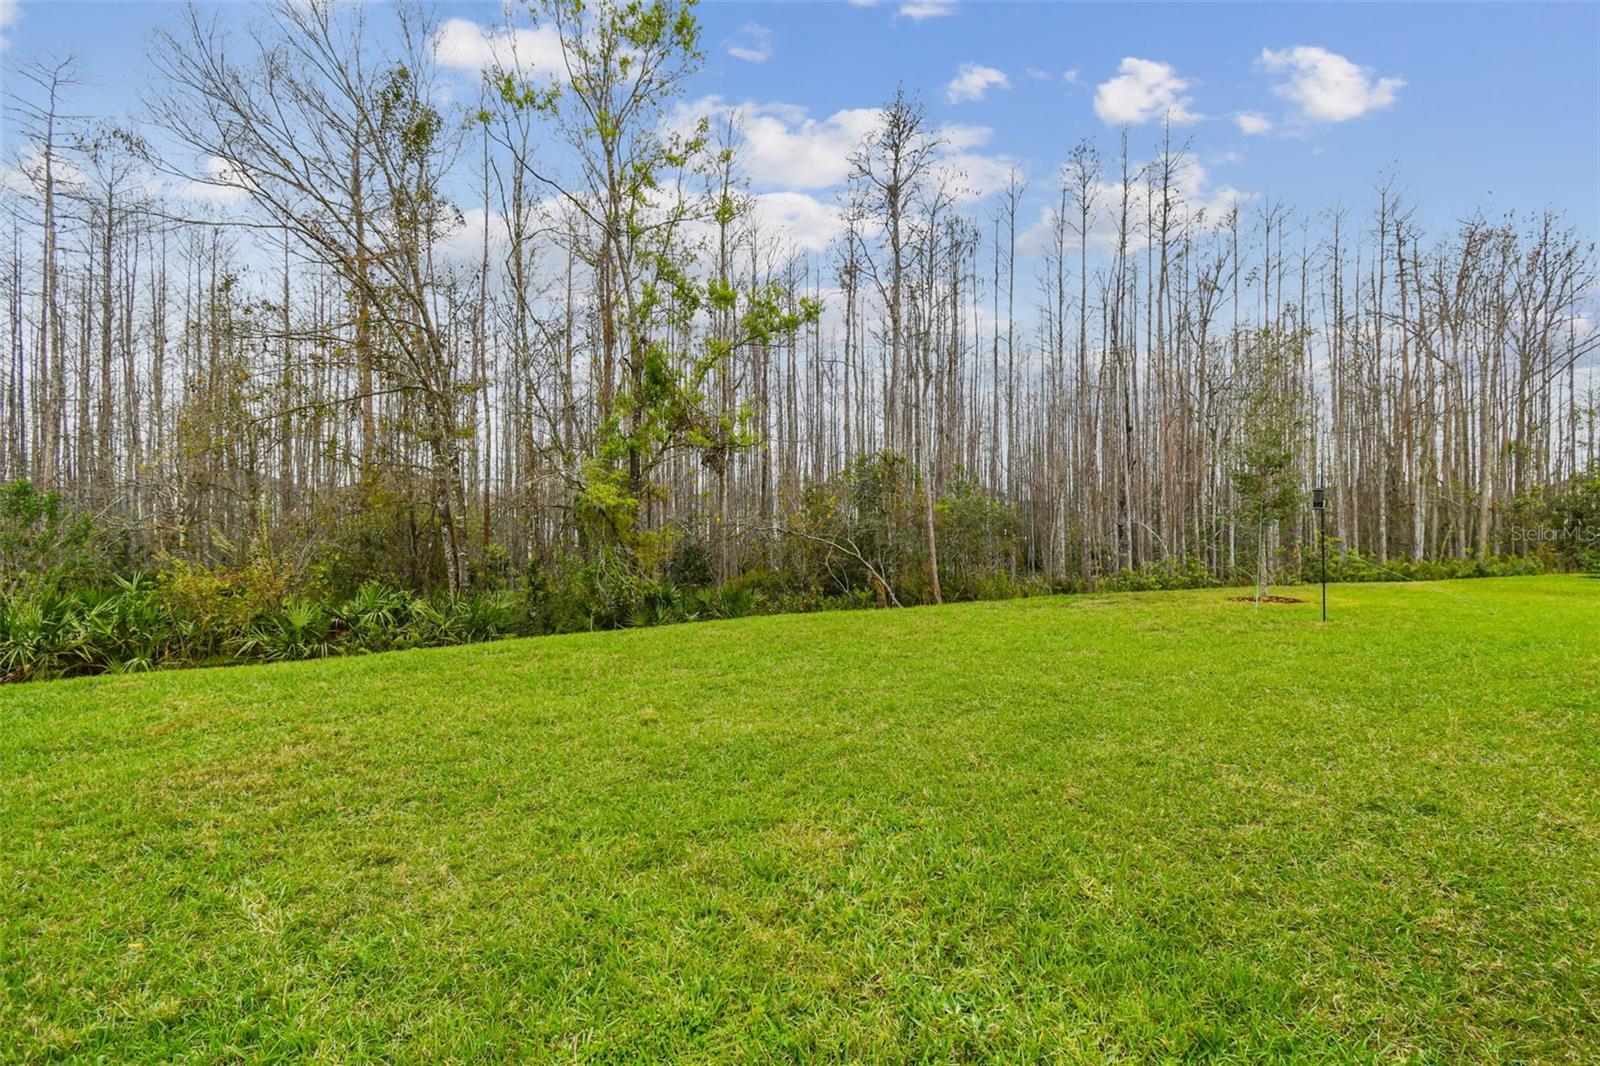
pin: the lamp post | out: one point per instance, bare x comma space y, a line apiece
1319, 504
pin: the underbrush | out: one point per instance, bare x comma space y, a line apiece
143, 624
1344, 567
146, 624
73, 599
189, 617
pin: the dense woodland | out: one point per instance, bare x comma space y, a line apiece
300, 310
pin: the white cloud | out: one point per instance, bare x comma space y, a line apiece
811, 224
973, 81
463, 246
753, 45
794, 160
972, 177
16, 178
26, 176
785, 147
10, 14
219, 184
918, 10
1143, 90
1070, 77
959, 136
1327, 86
462, 44
1252, 123
1195, 193
1191, 190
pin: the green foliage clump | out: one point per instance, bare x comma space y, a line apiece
37, 636
1266, 469
612, 590
43, 545
980, 539
1350, 567
857, 540
1566, 531
193, 617
857, 534
1177, 572
860, 538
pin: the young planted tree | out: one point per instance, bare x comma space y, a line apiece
1266, 465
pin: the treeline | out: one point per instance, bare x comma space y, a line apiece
301, 313
72, 603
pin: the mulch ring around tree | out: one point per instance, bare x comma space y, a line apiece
1267, 599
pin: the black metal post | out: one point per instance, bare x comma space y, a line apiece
1319, 504
1322, 539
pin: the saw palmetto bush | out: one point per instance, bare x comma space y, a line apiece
142, 624
127, 628
483, 616
376, 617
300, 630
38, 637
122, 629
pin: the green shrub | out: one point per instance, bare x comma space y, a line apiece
735, 601
301, 629
223, 600
43, 546
1568, 528
979, 538
1177, 572
375, 618
691, 562
1348, 566
480, 616
38, 636
128, 628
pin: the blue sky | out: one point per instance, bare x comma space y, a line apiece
1484, 105
1500, 106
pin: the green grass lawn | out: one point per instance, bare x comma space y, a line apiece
1140, 827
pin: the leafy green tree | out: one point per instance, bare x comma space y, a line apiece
1570, 524
1266, 462
667, 408
862, 528
978, 535
628, 211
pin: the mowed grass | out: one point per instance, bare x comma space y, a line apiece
1136, 827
